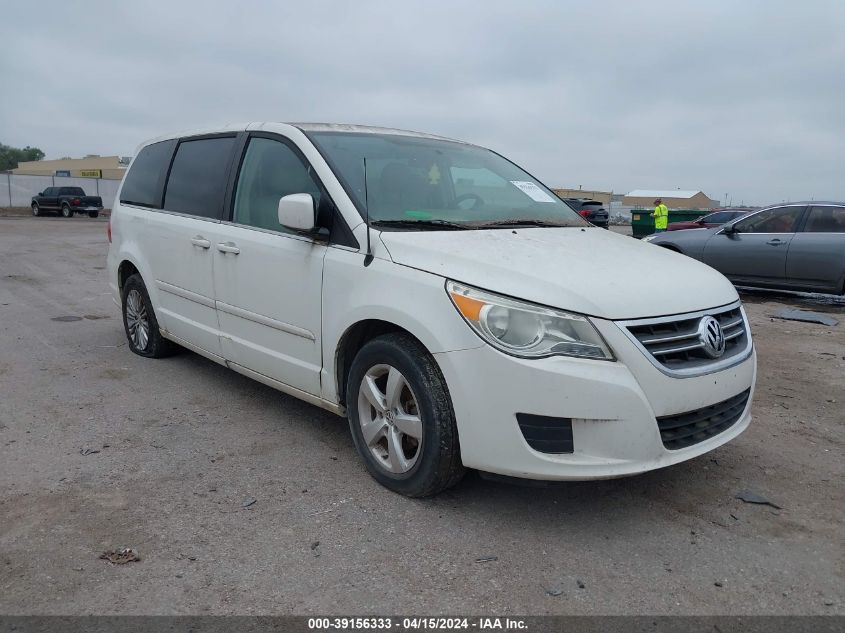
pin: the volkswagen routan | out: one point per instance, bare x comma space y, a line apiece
445, 301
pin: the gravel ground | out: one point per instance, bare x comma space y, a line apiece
177, 448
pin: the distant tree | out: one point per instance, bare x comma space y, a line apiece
11, 156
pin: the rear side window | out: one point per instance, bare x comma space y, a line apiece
145, 181
198, 176
826, 220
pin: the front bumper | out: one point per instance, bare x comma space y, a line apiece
613, 407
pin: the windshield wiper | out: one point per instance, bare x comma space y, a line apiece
521, 222
422, 224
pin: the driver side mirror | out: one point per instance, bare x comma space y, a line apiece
298, 212
730, 229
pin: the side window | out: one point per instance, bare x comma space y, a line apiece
49, 192
826, 220
197, 179
718, 218
145, 181
777, 220
270, 171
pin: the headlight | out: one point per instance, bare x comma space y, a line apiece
524, 329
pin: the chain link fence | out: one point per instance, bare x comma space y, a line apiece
17, 190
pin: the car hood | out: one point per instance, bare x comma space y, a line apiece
591, 271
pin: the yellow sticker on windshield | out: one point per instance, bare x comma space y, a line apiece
434, 174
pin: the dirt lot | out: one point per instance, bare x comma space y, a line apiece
176, 448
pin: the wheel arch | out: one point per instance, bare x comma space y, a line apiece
125, 270
353, 339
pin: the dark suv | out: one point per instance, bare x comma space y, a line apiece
591, 210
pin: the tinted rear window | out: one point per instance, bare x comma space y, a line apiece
145, 181
198, 177
72, 191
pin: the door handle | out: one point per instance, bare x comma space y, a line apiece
775, 242
200, 241
228, 247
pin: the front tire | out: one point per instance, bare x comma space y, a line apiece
36, 210
67, 212
140, 323
401, 417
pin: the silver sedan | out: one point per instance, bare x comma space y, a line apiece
794, 246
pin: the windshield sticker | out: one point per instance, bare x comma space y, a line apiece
532, 191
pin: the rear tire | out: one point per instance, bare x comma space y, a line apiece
140, 323
411, 444
36, 210
67, 212
93, 214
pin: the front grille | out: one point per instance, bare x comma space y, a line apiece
674, 344
685, 429
546, 434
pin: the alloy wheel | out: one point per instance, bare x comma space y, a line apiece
137, 320
390, 420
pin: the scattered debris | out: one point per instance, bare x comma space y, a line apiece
88, 451
121, 556
734, 517
66, 319
806, 316
749, 496
314, 549
486, 559
718, 583
580, 584
557, 591
248, 502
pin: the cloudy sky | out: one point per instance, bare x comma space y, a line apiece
739, 98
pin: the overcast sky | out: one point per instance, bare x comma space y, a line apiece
744, 98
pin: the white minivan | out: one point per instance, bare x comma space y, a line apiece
440, 297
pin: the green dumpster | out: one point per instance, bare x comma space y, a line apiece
643, 224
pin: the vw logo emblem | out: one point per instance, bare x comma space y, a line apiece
711, 336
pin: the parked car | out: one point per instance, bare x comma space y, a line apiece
66, 201
437, 295
592, 210
717, 218
795, 246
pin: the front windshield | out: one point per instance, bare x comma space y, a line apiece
414, 181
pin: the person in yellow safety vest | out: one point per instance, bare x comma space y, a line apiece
660, 215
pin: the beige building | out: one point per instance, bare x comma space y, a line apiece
601, 196
674, 199
109, 167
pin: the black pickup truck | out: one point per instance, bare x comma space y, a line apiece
66, 201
